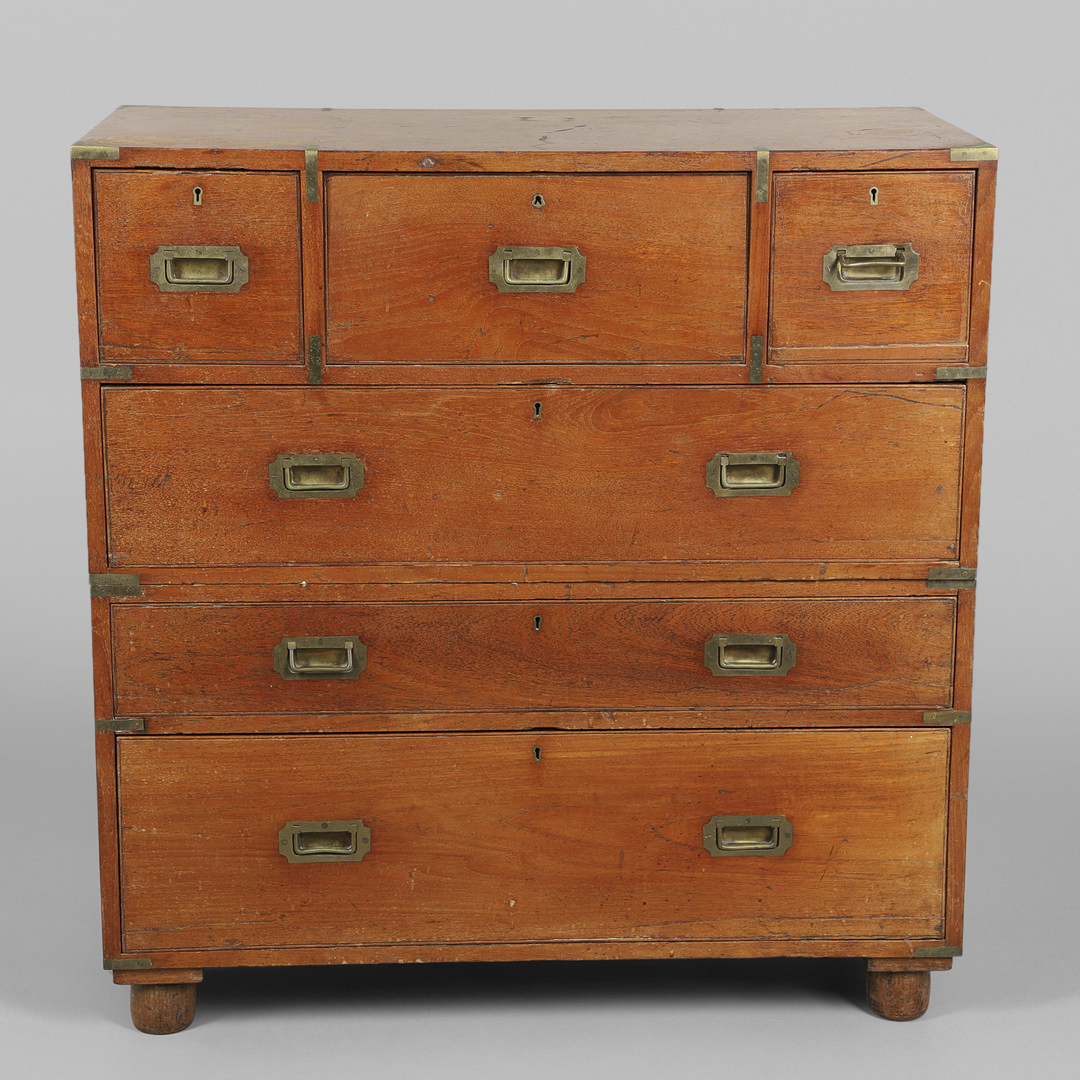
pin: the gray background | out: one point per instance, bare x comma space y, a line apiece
1004, 71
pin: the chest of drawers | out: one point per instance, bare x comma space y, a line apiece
541, 536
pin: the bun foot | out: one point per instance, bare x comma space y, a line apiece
898, 995
162, 1008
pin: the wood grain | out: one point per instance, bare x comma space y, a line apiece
509, 133
407, 268
473, 839
138, 212
898, 995
162, 1008
192, 659
932, 211
606, 475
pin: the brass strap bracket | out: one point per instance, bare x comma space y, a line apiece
948, 717
120, 725
950, 577
938, 950
132, 963
982, 152
314, 360
115, 585
311, 174
757, 357
761, 177
83, 152
955, 374
117, 372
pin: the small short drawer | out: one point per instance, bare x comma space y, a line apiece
876, 260
252, 659
263, 842
198, 266
536, 269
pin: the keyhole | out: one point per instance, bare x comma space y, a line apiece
538, 622
538, 200
196, 196
873, 196
536, 753
538, 409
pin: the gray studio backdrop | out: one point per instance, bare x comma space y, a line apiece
1005, 72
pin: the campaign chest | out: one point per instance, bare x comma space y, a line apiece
531, 536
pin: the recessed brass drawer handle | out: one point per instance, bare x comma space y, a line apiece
199, 269
316, 476
324, 841
728, 475
855, 267
749, 654
748, 834
536, 269
320, 658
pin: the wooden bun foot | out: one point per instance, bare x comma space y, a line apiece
162, 1008
898, 995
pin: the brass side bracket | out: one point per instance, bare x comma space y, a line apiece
120, 725
82, 152
117, 372
955, 374
115, 585
133, 963
948, 717
938, 950
982, 152
757, 357
314, 360
311, 174
950, 577
761, 177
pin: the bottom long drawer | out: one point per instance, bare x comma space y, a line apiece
255, 841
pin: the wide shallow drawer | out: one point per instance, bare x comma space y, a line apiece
213, 659
198, 266
657, 265
564, 474
504, 838
873, 260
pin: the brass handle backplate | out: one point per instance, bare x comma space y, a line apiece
864, 267
316, 476
320, 658
772, 473
749, 654
748, 834
536, 269
324, 841
199, 269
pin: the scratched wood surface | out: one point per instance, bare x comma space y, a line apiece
932, 211
516, 133
137, 212
539, 836
407, 268
218, 658
557, 474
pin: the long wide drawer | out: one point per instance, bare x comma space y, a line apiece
213, 659
232, 843
256, 476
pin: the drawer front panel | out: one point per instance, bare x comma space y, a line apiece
493, 838
408, 268
214, 659
544, 475
930, 213
198, 266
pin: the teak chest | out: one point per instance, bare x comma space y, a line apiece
542, 536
